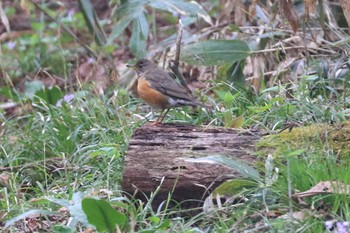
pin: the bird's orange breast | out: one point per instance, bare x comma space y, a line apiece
151, 96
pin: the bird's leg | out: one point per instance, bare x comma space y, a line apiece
152, 115
159, 119
147, 118
162, 117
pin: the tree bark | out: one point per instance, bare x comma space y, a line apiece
157, 152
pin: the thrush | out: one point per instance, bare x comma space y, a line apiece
159, 90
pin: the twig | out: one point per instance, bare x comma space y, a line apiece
178, 44
174, 64
291, 48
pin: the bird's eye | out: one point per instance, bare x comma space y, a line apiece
141, 63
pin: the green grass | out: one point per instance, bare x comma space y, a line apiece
49, 155
88, 138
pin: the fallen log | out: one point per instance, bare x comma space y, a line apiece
157, 152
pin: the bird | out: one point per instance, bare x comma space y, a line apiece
159, 90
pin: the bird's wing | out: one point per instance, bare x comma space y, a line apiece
163, 82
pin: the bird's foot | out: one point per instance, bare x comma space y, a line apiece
154, 123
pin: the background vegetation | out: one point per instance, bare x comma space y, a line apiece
67, 110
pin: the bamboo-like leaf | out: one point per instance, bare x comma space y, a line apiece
27, 214
234, 187
182, 7
126, 13
131, 9
92, 21
228, 188
236, 165
139, 36
215, 52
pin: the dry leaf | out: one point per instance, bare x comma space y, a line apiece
240, 13
323, 187
4, 18
288, 11
226, 10
259, 67
345, 4
92, 71
310, 6
282, 70
27, 6
252, 9
4, 179
300, 215
192, 75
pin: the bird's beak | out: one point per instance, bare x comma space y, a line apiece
131, 66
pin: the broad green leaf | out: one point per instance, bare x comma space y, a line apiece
38, 26
50, 96
74, 207
62, 229
161, 225
312, 77
236, 165
61, 202
102, 215
76, 210
235, 74
148, 231
215, 52
143, 24
227, 118
32, 87
7, 92
295, 152
126, 13
229, 188
27, 214
259, 109
154, 219
182, 7
92, 21
139, 36
119, 28
131, 9
107, 151
271, 89
234, 187
237, 122
165, 224
226, 96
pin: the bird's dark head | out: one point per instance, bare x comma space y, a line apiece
142, 65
